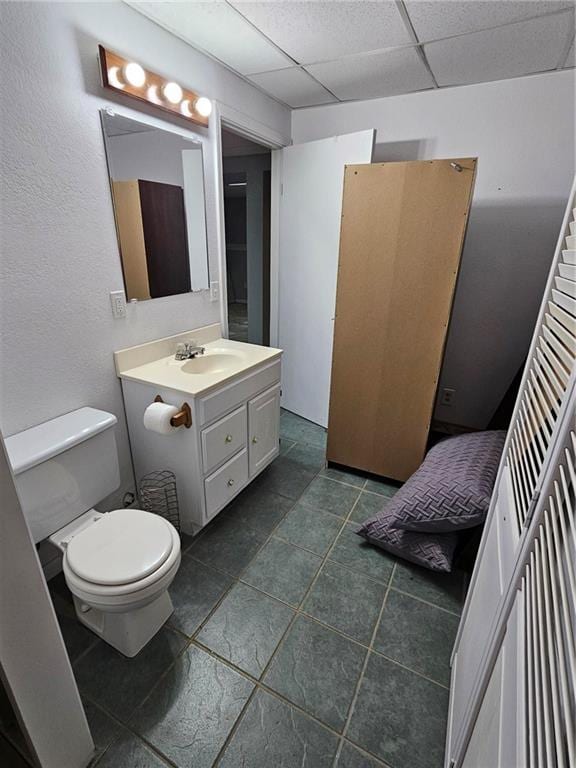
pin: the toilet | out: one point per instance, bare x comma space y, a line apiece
119, 564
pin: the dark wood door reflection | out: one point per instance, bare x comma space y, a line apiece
164, 225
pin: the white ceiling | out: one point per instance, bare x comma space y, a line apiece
307, 52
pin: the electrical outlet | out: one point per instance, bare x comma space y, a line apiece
214, 291
448, 395
118, 302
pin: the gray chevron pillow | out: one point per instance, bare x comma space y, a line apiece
452, 488
433, 551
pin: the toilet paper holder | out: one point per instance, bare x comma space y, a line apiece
181, 419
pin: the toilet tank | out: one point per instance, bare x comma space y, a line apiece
64, 467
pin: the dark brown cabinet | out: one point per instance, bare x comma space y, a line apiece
151, 221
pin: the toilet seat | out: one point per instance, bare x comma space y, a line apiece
145, 583
120, 548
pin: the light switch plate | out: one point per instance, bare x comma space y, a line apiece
214, 291
118, 302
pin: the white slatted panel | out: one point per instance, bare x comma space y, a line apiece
530, 543
550, 366
549, 589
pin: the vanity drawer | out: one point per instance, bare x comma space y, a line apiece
223, 439
238, 391
225, 483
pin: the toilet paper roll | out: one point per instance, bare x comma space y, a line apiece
157, 418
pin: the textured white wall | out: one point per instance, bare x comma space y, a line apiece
152, 155
523, 132
59, 255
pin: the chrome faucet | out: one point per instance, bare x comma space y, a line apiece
187, 350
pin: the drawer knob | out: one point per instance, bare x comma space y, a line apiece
228, 438
231, 482
254, 440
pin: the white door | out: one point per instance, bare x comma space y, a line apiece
263, 428
310, 210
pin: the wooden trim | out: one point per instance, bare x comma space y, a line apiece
109, 59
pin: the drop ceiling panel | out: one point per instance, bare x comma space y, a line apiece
496, 54
294, 87
218, 29
434, 19
316, 31
374, 75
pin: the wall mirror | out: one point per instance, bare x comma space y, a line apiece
157, 185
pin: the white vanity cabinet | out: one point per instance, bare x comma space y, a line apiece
235, 432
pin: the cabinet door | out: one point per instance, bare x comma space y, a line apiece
164, 223
263, 428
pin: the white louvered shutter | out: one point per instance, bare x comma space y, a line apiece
516, 597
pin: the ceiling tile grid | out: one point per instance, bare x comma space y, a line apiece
317, 31
436, 19
382, 74
497, 54
214, 27
308, 52
294, 87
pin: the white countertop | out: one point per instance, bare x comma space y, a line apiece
222, 361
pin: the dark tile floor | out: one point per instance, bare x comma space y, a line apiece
292, 643
238, 321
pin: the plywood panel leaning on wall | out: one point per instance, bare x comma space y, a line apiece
401, 238
131, 236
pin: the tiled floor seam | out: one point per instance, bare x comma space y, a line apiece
84, 652
364, 666
426, 602
320, 509
191, 640
258, 685
379, 763
300, 612
130, 730
262, 685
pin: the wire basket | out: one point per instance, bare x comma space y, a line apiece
158, 494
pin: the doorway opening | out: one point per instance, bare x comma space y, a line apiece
246, 169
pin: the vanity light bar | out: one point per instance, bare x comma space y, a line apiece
128, 77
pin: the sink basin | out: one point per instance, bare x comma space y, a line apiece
218, 362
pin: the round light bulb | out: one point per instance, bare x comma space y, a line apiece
186, 108
203, 106
152, 95
134, 74
114, 77
172, 93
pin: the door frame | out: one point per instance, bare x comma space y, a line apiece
244, 125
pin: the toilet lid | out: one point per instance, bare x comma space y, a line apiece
123, 546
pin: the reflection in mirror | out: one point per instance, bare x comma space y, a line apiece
157, 183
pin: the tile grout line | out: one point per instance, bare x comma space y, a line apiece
346, 567
364, 667
290, 624
192, 640
302, 612
240, 717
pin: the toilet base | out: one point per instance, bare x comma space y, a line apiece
127, 632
